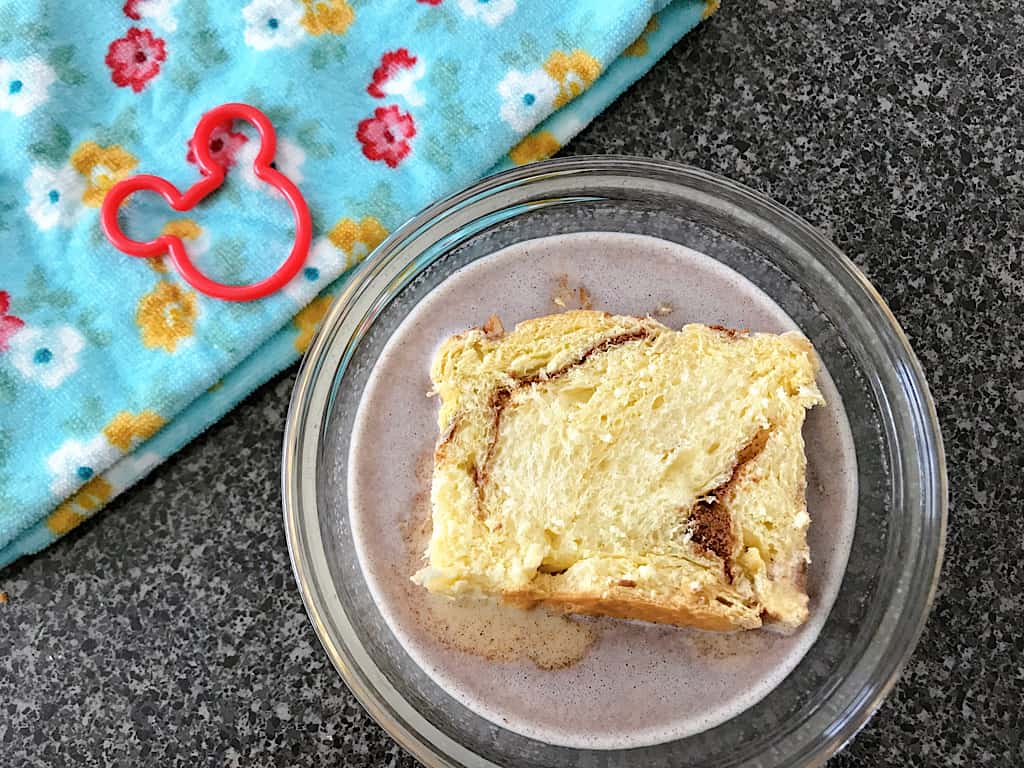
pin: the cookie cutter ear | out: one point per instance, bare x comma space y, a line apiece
212, 178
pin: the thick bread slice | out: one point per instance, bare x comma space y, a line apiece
609, 465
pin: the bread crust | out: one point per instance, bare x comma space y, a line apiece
625, 603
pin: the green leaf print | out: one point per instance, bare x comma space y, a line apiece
241, 311
327, 49
308, 137
229, 252
60, 60
97, 337
203, 40
529, 55
185, 78
432, 17
531, 48
338, 49
6, 207
436, 154
566, 42
513, 59
204, 45
88, 419
8, 389
61, 55
38, 294
319, 56
444, 76
219, 337
458, 122
379, 203
53, 146
124, 129
96, 237
28, 32
35, 32
279, 115
206, 49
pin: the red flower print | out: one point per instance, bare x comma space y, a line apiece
429, 2
385, 135
135, 58
224, 145
131, 10
9, 324
391, 63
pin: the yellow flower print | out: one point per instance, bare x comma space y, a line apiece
574, 72
322, 16
710, 6
166, 315
308, 320
536, 146
356, 240
102, 167
125, 427
639, 47
186, 229
89, 498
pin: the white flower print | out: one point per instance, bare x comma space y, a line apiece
131, 469
54, 195
397, 76
288, 159
323, 263
491, 12
272, 23
159, 11
76, 463
197, 247
24, 84
526, 98
404, 84
46, 355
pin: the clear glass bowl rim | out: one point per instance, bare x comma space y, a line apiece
397, 258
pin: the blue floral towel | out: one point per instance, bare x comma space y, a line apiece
108, 363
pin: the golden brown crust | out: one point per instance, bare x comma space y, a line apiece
493, 329
730, 333
626, 603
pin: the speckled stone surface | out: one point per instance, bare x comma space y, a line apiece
168, 630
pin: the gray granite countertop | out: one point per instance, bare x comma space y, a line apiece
168, 630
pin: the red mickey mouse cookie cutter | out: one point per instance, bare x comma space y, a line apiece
212, 177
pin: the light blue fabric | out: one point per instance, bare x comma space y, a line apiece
108, 364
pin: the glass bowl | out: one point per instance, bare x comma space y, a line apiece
901, 505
